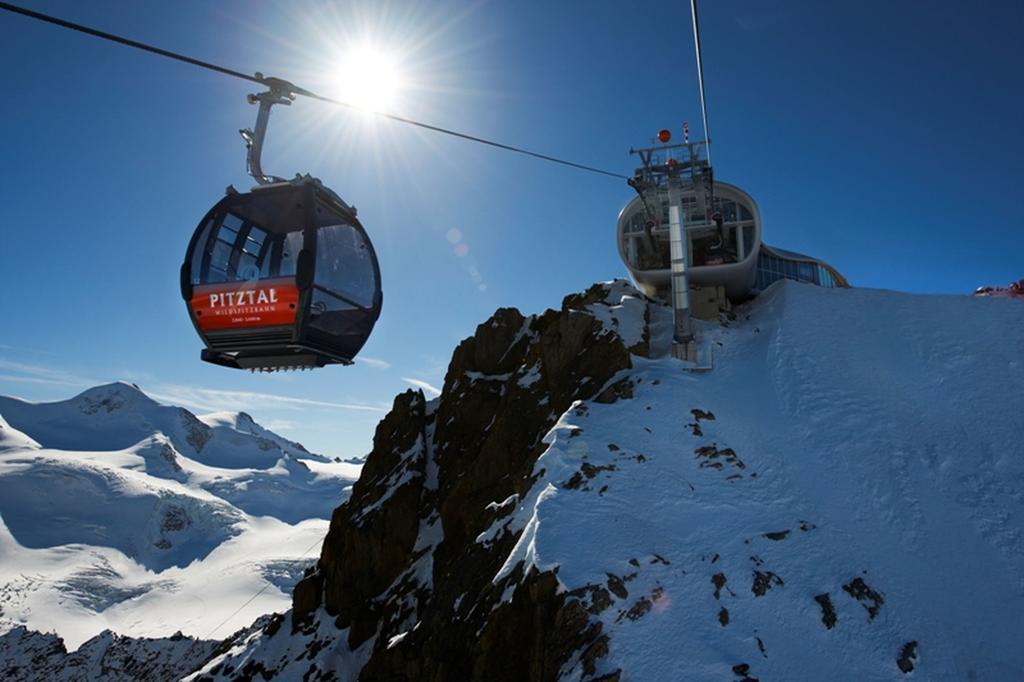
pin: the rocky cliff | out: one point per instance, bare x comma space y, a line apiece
403, 582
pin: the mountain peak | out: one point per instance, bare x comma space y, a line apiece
108, 398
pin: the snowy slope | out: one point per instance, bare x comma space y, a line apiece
865, 451
12, 439
117, 512
841, 498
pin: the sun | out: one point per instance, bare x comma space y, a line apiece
369, 78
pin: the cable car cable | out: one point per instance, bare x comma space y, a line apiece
261, 591
700, 78
473, 138
63, 23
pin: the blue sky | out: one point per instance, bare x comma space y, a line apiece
884, 137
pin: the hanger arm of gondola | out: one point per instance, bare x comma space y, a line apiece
280, 92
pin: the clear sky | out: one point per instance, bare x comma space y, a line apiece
882, 136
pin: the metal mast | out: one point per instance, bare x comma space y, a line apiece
669, 177
682, 331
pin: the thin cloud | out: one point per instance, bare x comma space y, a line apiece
39, 380
198, 398
213, 400
376, 363
419, 383
40, 374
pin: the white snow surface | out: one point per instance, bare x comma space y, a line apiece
873, 435
117, 512
12, 439
622, 312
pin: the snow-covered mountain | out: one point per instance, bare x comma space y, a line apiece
119, 512
30, 655
842, 497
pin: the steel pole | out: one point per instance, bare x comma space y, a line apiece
683, 327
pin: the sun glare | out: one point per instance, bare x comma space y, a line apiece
369, 78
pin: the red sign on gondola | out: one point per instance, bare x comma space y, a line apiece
260, 303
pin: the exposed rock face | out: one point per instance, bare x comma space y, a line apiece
433, 467
908, 654
401, 575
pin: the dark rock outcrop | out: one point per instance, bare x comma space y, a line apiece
401, 562
870, 599
828, 611
908, 654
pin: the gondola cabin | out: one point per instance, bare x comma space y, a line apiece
282, 277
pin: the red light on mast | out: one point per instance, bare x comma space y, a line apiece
672, 162
664, 136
